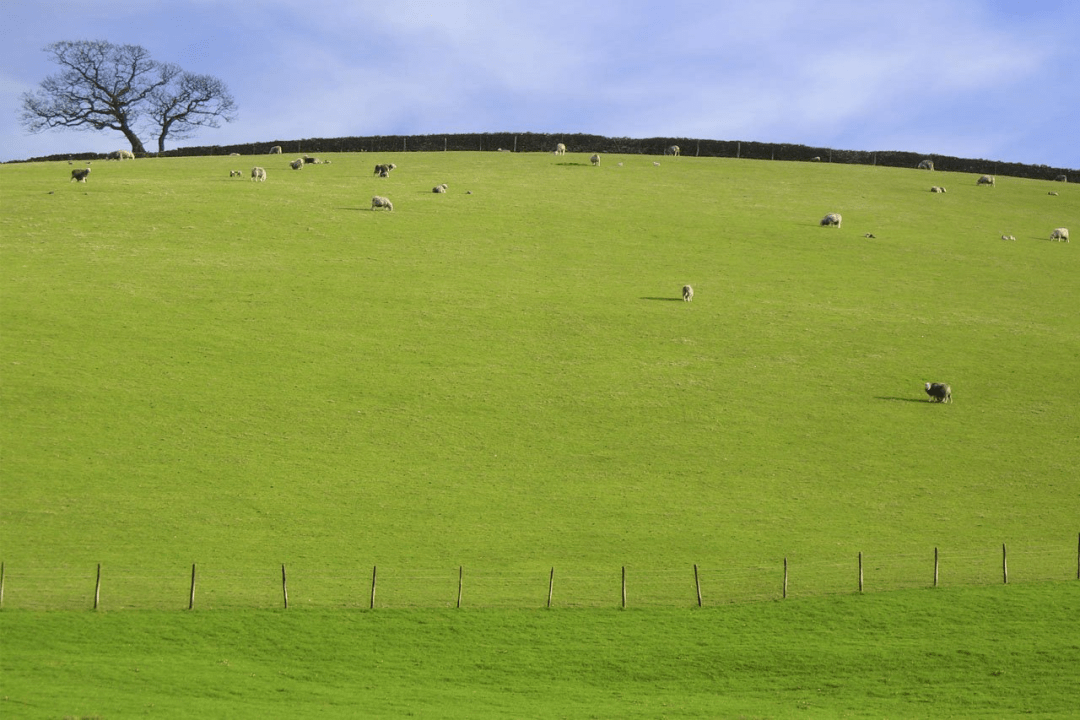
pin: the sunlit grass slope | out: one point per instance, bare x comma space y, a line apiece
998, 652
204, 369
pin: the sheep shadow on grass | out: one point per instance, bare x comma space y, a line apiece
902, 399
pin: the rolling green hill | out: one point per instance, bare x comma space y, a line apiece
199, 369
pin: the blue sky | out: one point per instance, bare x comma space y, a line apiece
993, 79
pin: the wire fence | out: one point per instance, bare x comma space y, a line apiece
208, 587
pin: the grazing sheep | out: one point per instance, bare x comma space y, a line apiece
383, 170
236, 173
687, 293
832, 219
816, 158
673, 150
380, 202
1061, 234
1061, 178
312, 160
1051, 193
122, 155
937, 189
560, 149
276, 150
258, 174
939, 392
986, 180
1008, 237
440, 188
869, 235
297, 164
79, 175
595, 159
926, 164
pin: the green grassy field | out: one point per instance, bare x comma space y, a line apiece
957, 652
198, 369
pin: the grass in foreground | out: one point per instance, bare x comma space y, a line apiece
975, 652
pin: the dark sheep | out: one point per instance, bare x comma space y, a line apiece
939, 392
79, 175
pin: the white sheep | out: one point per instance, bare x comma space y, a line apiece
1061, 234
595, 159
79, 175
927, 164
380, 202
1008, 237
560, 149
937, 189
687, 293
986, 180
258, 174
673, 150
122, 155
236, 173
297, 164
832, 219
276, 150
440, 188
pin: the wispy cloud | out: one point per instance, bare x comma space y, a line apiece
948, 77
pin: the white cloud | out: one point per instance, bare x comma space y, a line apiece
859, 75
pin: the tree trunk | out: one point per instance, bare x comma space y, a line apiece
136, 143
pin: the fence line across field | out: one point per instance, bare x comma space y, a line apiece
121, 587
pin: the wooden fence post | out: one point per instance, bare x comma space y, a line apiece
97, 587
551, 585
785, 577
460, 577
191, 597
624, 587
697, 584
860, 573
935, 567
284, 587
1004, 565
374, 572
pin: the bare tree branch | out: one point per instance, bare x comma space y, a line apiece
102, 86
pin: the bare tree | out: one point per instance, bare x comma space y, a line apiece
103, 86
191, 101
